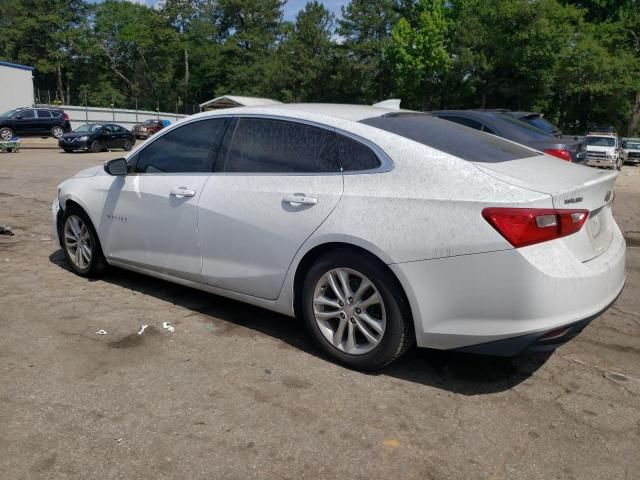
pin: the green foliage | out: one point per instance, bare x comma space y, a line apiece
576, 61
417, 54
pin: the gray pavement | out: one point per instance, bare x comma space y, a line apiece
241, 393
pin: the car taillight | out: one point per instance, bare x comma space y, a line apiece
65, 116
560, 153
528, 226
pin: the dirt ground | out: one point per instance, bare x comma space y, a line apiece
241, 393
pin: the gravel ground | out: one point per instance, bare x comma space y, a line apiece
238, 392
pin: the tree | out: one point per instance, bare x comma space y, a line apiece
417, 54
302, 67
362, 75
249, 31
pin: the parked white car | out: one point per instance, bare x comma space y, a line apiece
631, 150
380, 229
603, 150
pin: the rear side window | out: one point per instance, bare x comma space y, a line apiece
191, 148
467, 122
354, 156
263, 145
55, 113
450, 137
43, 113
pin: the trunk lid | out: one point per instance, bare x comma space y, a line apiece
570, 187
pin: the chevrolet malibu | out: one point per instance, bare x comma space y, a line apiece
380, 228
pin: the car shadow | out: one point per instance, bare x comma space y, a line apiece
456, 372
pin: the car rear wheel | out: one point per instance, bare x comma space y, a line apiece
127, 145
95, 146
57, 131
356, 311
80, 244
6, 133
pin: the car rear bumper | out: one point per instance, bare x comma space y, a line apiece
504, 302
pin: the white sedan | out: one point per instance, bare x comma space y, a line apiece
380, 228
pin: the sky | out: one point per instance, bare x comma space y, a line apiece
291, 8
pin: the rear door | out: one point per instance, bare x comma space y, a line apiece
44, 120
279, 181
151, 214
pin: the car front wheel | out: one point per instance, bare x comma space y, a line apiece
356, 311
6, 134
80, 244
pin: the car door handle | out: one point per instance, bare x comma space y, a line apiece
296, 200
181, 192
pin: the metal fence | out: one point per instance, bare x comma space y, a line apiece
79, 115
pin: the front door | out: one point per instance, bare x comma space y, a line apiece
26, 122
279, 181
151, 213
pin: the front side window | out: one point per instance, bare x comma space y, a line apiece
26, 114
277, 146
191, 148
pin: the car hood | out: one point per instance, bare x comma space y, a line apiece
69, 136
89, 172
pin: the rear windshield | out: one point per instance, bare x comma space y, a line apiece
541, 123
451, 138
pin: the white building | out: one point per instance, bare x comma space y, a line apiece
230, 101
16, 86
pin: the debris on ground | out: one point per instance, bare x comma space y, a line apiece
209, 327
6, 230
168, 326
142, 329
101, 332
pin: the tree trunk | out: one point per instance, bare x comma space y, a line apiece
635, 116
60, 93
186, 78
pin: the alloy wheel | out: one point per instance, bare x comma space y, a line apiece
77, 240
57, 132
349, 311
6, 134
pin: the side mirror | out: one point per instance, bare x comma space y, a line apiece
116, 167
18, 117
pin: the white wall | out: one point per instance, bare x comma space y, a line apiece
79, 115
16, 88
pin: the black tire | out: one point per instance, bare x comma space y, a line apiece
127, 145
6, 133
68, 150
97, 263
95, 146
398, 334
57, 131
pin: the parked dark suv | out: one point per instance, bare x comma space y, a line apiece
33, 122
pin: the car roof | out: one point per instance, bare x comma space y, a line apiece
343, 111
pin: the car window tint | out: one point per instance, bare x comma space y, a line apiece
467, 122
43, 113
55, 113
189, 148
355, 156
277, 146
27, 114
451, 138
